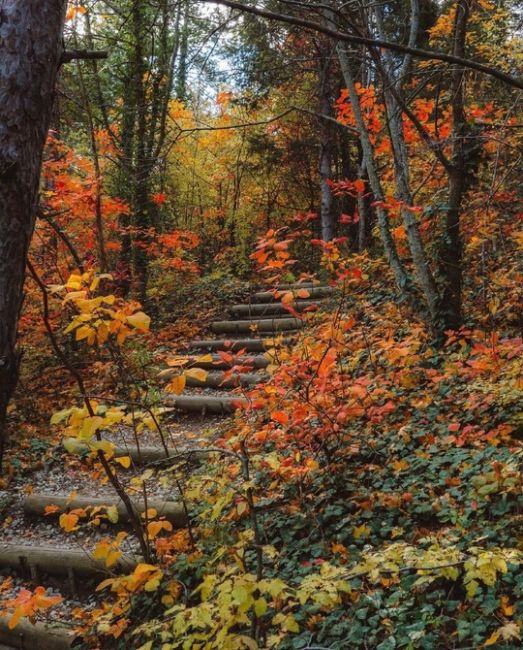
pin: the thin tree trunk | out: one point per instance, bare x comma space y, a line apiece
400, 274
423, 274
326, 143
451, 250
30, 51
142, 164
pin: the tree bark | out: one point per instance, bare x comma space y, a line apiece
326, 142
400, 274
422, 271
30, 54
451, 250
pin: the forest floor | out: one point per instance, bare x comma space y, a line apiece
373, 452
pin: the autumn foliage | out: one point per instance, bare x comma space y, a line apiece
366, 493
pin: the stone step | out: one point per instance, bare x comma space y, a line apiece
314, 293
58, 561
274, 309
234, 345
35, 505
35, 636
204, 403
256, 325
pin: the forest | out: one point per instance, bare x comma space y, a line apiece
261, 348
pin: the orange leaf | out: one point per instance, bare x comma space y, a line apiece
280, 416
359, 185
177, 385
68, 522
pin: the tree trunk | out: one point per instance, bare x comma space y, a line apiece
451, 249
422, 271
400, 274
30, 51
326, 143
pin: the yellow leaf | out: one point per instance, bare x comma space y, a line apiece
106, 583
492, 638
153, 583
155, 527
112, 557
150, 513
361, 531
205, 358
89, 426
197, 373
140, 320
73, 446
144, 568
177, 385
510, 631
125, 461
506, 607
175, 362
260, 606
290, 625
105, 446
400, 465
68, 522
112, 514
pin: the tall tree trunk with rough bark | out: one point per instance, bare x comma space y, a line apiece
30, 52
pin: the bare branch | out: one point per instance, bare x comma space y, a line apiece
375, 42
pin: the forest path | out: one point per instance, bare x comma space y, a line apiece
33, 545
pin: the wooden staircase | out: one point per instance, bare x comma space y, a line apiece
262, 323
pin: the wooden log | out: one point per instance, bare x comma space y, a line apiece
256, 325
139, 455
204, 404
37, 636
256, 362
234, 345
35, 504
315, 293
274, 309
217, 380
60, 561
297, 285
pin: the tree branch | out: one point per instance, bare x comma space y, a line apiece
375, 42
86, 55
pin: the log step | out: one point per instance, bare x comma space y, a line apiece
217, 380
234, 345
271, 309
256, 362
314, 293
35, 504
204, 404
298, 285
35, 636
139, 455
256, 325
59, 561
